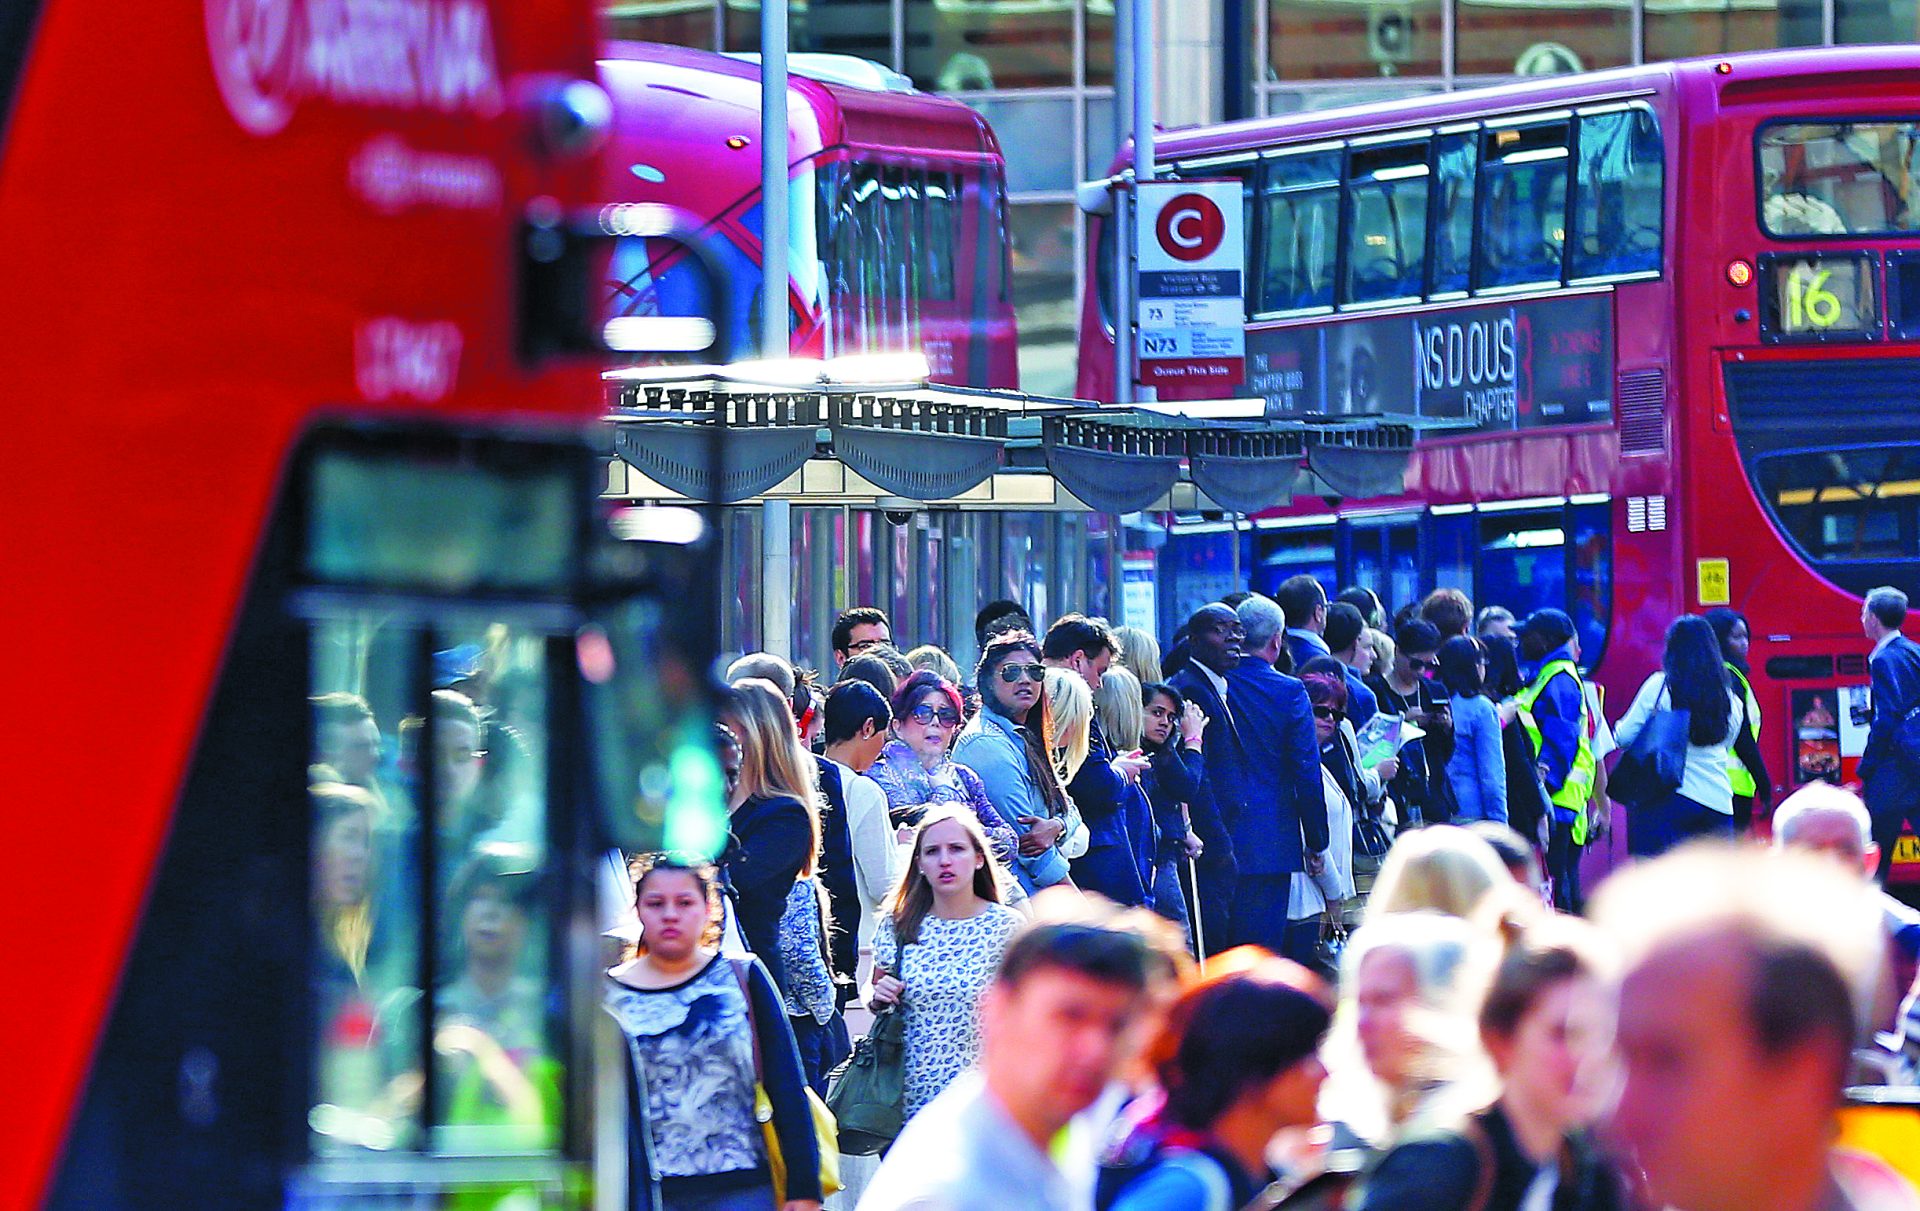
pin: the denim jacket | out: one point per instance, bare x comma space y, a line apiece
993, 746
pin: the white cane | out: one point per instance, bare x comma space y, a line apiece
1193, 915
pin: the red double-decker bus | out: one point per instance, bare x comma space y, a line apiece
1660, 328
896, 209
303, 349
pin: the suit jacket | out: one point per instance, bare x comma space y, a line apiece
1284, 795
1890, 766
1218, 797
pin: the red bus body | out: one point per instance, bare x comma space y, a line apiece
249, 215
877, 263
1681, 523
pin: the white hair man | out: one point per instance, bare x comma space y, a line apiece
1831, 821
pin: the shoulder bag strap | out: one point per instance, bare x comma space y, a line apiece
753, 1019
1486, 1165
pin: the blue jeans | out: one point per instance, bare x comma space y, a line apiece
751, 1198
1658, 827
1169, 898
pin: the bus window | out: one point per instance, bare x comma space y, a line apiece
1386, 222
1523, 561
366, 845
940, 212
1524, 213
1281, 554
1824, 178
1301, 208
1385, 557
1590, 566
1456, 159
1453, 543
1618, 194
498, 1072
1847, 504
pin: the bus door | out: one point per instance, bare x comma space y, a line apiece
369, 971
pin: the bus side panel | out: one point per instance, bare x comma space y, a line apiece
195, 270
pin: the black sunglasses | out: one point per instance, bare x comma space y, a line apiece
1418, 663
1012, 674
926, 712
1327, 712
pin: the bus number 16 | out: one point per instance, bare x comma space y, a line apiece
1809, 303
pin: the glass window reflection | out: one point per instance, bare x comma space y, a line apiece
1044, 299
1542, 37
961, 46
1621, 170
1300, 228
1318, 40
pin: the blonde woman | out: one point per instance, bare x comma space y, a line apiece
774, 822
1443, 868
1405, 1055
938, 947
934, 659
1139, 654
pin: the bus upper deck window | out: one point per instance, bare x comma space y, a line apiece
1838, 178
1387, 222
1523, 227
1618, 194
1301, 207
1451, 258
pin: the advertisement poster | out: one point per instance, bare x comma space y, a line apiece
1523, 365
1816, 737
1856, 716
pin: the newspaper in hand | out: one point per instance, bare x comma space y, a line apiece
1383, 736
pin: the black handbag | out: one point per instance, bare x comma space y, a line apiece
868, 1092
1652, 766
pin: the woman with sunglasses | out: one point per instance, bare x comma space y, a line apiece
1311, 899
1404, 687
917, 771
1477, 771
1006, 744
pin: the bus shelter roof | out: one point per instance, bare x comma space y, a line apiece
874, 431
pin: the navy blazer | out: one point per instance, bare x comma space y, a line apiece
1284, 794
1217, 799
1890, 766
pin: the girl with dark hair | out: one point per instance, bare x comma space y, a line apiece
938, 947
1736, 637
1404, 688
1692, 678
1008, 744
1544, 1026
1477, 771
695, 1019
1172, 736
1237, 1062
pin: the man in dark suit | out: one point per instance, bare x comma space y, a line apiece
1213, 649
1282, 826
1890, 767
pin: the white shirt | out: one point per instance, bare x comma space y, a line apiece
1704, 778
964, 1152
876, 866
1881, 642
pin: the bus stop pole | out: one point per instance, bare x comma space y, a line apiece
1122, 217
774, 270
1143, 88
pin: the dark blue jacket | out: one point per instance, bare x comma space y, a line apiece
1557, 714
1225, 757
1890, 766
1102, 796
1178, 775
1284, 796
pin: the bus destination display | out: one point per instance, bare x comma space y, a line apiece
1819, 297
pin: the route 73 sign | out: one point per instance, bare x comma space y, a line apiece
1192, 260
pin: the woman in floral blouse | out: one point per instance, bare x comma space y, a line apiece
917, 771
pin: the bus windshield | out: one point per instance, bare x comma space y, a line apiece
1839, 178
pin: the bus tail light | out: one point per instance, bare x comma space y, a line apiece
1739, 273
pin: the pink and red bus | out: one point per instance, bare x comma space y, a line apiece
1658, 330
897, 205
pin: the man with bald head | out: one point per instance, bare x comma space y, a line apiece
1738, 1011
1213, 644
1832, 822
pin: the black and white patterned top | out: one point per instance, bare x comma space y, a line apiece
693, 1046
944, 972
803, 953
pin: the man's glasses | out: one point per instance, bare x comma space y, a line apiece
1013, 674
1327, 712
927, 713
860, 645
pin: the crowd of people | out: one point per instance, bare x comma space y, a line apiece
1284, 912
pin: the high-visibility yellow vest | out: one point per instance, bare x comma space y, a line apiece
1737, 772
1578, 788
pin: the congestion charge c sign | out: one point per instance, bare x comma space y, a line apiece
1191, 227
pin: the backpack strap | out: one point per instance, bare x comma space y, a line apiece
740, 967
